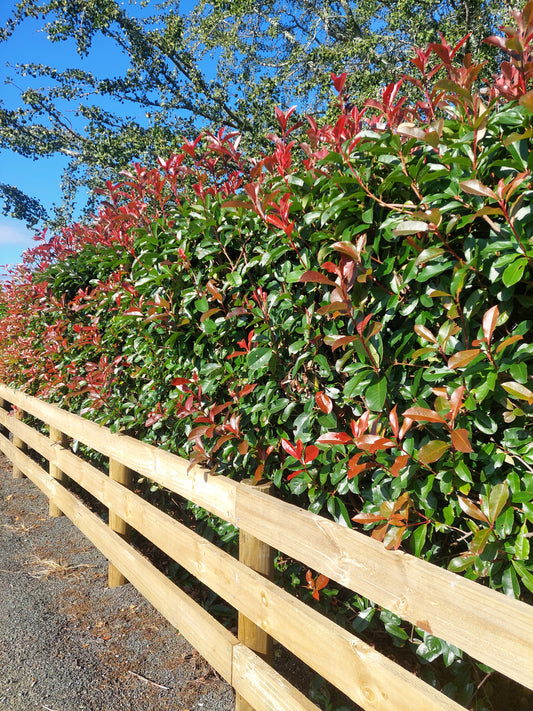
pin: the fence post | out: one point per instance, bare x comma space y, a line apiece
259, 556
19, 444
120, 473
4, 405
56, 437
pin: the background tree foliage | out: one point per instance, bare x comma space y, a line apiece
224, 63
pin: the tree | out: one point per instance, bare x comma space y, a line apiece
225, 63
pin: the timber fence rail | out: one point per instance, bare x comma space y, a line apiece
492, 628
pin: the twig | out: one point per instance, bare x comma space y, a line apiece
148, 681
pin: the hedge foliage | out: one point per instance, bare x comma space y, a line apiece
349, 316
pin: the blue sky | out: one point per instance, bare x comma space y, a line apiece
40, 178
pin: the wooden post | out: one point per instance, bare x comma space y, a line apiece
260, 557
19, 444
118, 472
56, 437
4, 405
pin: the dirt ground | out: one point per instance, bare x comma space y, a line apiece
67, 641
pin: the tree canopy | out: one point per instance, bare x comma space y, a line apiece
207, 65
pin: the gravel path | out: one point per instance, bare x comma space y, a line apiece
69, 643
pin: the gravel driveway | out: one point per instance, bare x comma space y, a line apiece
67, 642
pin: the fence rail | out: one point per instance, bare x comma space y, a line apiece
489, 626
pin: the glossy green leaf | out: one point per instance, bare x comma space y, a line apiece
497, 499
526, 576
461, 563
259, 358
375, 395
514, 272
433, 451
522, 546
480, 540
510, 584
519, 391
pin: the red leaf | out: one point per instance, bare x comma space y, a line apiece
367, 518
324, 402
321, 582
338, 81
222, 440
463, 358
311, 453
361, 325
373, 443
456, 400
316, 277
422, 414
399, 463
180, 381
393, 537
275, 220
354, 468
201, 431
361, 426
239, 311
393, 419
474, 187
243, 447
340, 341
460, 441
291, 476
295, 452
347, 248
236, 354
334, 307
471, 509
334, 438
425, 333
489, 322
247, 389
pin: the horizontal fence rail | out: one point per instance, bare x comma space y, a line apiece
489, 626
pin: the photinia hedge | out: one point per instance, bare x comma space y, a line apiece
349, 316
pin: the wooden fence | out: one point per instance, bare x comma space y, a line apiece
489, 626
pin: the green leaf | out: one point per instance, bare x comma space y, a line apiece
518, 391
484, 423
430, 649
525, 575
497, 500
479, 541
418, 538
462, 562
522, 544
410, 227
514, 272
375, 395
510, 584
259, 358
433, 451
426, 255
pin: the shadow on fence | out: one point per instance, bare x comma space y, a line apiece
489, 626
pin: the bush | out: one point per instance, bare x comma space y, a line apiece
349, 316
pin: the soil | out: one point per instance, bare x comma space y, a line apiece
67, 641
